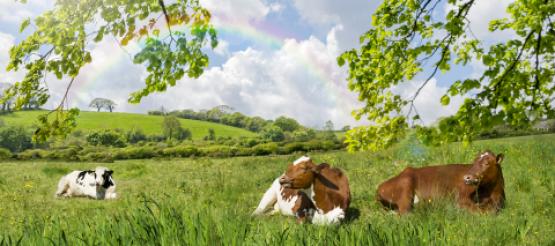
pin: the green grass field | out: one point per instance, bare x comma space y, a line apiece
150, 124
208, 201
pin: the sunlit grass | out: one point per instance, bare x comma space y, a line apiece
208, 201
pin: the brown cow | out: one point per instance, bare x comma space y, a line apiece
287, 201
477, 187
329, 189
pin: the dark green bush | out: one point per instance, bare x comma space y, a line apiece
106, 138
15, 139
156, 138
135, 136
272, 133
265, 149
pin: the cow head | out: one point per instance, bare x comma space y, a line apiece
300, 174
104, 177
484, 168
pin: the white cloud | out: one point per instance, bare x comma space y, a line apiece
242, 11
7, 42
353, 15
480, 15
276, 7
300, 80
223, 48
13, 12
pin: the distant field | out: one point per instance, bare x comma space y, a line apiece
207, 201
150, 124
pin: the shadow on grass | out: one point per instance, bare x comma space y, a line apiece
352, 214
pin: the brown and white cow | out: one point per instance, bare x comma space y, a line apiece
287, 201
329, 189
477, 187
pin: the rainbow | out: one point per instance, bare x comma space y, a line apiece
262, 34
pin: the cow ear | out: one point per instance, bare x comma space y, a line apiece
500, 158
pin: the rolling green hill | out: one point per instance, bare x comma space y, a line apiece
150, 124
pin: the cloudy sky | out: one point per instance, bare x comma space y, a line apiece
276, 57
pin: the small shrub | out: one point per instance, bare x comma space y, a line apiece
135, 136
156, 138
265, 149
5, 154
211, 135
292, 147
106, 138
31, 154
15, 139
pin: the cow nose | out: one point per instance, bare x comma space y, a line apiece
467, 178
283, 180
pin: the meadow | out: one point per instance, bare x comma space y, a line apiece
207, 201
149, 124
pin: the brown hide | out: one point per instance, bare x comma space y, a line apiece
330, 186
477, 187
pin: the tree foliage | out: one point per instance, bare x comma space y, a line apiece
405, 38
59, 44
287, 124
170, 125
100, 103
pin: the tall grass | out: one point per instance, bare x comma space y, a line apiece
208, 201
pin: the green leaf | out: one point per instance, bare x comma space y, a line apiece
24, 24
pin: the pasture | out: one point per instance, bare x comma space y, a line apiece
149, 124
208, 201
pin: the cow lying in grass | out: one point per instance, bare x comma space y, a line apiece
287, 201
97, 184
476, 187
327, 189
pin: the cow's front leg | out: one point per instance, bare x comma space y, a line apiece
269, 199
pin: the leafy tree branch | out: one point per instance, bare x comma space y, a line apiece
60, 45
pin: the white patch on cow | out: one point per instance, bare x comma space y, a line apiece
286, 205
484, 155
269, 199
334, 216
301, 160
273, 198
415, 200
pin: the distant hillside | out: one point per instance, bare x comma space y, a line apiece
150, 124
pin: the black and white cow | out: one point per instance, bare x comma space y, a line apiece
97, 184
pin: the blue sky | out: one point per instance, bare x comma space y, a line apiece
276, 57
